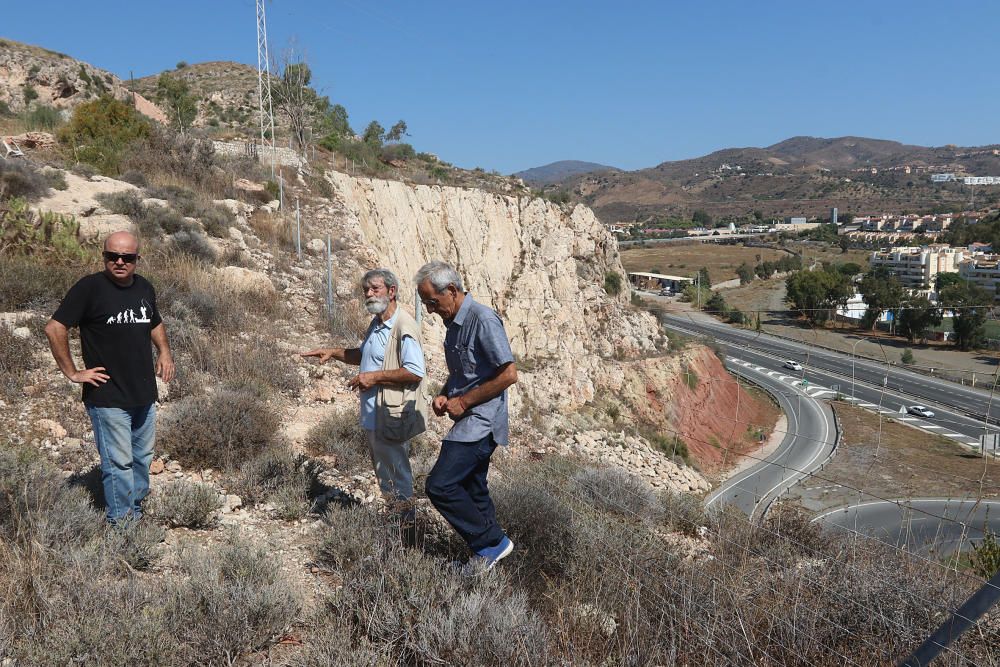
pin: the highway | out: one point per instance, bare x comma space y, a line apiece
921, 525
925, 525
959, 411
808, 443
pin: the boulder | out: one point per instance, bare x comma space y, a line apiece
238, 279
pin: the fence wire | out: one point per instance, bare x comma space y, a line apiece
950, 570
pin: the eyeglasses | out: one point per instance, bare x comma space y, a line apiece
430, 303
127, 257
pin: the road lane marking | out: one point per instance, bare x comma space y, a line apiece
929, 426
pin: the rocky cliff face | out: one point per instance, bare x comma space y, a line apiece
542, 268
31, 75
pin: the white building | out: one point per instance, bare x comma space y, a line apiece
983, 270
917, 267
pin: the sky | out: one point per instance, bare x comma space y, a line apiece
513, 85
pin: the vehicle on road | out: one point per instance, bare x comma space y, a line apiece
665, 292
792, 365
920, 411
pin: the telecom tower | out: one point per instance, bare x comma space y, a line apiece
264, 84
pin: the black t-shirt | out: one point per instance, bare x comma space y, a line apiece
114, 323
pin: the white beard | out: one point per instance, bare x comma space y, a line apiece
376, 306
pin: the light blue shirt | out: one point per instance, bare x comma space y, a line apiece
373, 356
475, 348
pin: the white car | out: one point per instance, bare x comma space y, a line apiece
920, 411
792, 365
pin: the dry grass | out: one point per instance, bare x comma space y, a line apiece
686, 259
889, 459
341, 436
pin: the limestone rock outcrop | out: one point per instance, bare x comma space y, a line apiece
542, 268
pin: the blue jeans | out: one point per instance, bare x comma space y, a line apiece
457, 488
124, 439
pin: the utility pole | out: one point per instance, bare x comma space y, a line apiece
264, 84
697, 279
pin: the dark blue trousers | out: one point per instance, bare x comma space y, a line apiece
457, 488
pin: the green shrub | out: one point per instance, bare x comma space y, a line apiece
219, 431
52, 235
341, 435
29, 93
612, 283
907, 356
186, 504
43, 117
99, 132
986, 555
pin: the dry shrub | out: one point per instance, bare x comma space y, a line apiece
618, 492
17, 360
186, 504
133, 544
215, 218
417, 609
165, 157
255, 364
37, 282
219, 431
273, 229
188, 289
19, 179
279, 477
347, 321
233, 599
341, 435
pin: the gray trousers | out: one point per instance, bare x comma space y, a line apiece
391, 461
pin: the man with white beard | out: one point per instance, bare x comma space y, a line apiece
392, 384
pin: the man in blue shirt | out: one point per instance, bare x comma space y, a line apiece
480, 369
391, 364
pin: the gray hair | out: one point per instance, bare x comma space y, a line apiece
387, 276
440, 274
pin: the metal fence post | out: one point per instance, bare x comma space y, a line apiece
329, 276
417, 309
281, 191
298, 230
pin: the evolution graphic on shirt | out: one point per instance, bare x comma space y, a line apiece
128, 316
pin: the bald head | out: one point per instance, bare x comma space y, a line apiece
122, 242
121, 252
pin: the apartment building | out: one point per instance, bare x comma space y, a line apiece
918, 267
983, 270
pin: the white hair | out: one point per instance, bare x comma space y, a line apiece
440, 274
387, 276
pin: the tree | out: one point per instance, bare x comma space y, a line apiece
746, 273
881, 292
175, 96
706, 280
374, 134
701, 218
817, 293
849, 268
396, 132
295, 99
917, 317
970, 304
845, 243
943, 280
335, 122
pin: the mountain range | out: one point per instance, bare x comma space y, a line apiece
797, 176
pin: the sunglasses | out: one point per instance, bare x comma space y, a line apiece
127, 257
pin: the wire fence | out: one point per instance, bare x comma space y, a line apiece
940, 535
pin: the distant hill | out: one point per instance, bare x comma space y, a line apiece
798, 176
557, 172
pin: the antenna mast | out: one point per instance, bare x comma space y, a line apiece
264, 84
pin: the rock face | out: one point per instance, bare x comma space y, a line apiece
541, 268
33, 75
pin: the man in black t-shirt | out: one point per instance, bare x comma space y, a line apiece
117, 315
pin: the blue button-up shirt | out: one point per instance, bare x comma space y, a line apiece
373, 356
475, 347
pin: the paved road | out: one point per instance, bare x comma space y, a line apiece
925, 525
809, 442
960, 411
